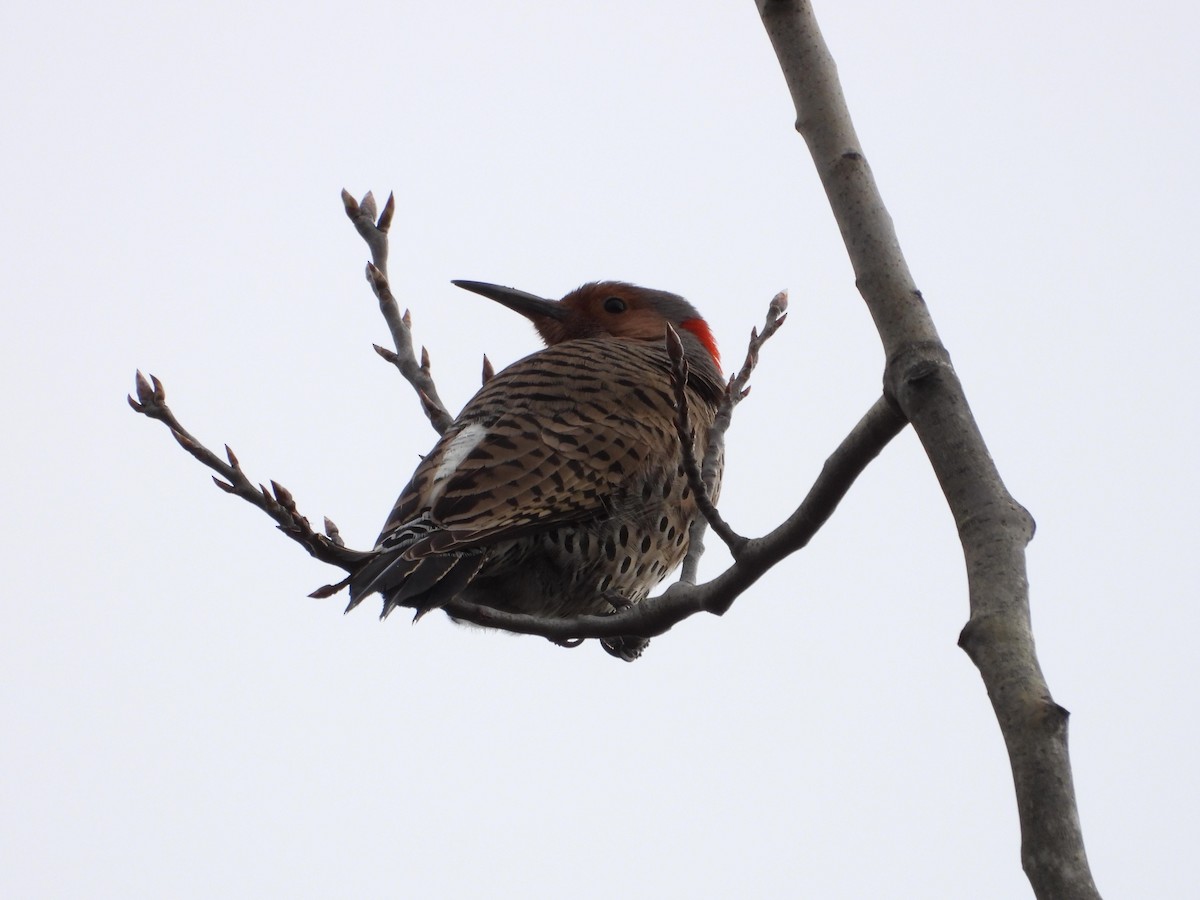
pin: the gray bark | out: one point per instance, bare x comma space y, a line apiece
994, 529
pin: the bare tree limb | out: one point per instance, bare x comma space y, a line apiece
277, 502
374, 231
735, 392
656, 615
418, 374
687, 448
993, 527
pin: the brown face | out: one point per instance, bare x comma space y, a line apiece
622, 310
605, 307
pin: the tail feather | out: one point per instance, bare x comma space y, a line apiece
427, 573
422, 584
381, 572
451, 584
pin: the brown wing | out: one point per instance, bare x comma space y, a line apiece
547, 441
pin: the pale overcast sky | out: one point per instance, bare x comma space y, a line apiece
182, 721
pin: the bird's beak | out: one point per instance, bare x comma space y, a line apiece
530, 306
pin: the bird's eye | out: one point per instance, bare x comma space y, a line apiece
614, 305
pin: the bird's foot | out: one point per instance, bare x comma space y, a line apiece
617, 601
626, 648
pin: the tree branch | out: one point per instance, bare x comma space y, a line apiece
735, 392
656, 615
418, 374
374, 231
277, 503
687, 448
993, 527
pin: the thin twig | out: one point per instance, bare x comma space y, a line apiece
687, 448
736, 391
738, 385
374, 232
418, 374
277, 502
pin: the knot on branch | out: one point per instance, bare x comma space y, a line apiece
912, 366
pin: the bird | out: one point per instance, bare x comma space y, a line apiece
559, 490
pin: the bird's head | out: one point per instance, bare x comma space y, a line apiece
605, 307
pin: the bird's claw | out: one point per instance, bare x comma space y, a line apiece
616, 601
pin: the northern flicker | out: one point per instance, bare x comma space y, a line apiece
559, 489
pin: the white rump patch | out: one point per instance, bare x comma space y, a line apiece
456, 451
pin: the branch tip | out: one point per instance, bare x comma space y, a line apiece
367, 205
283, 495
675, 347
331, 531
387, 354
150, 392
389, 210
